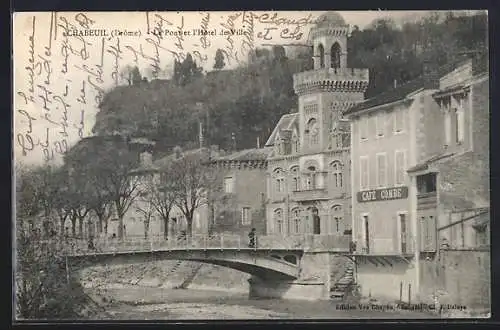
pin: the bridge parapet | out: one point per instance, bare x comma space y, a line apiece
305, 242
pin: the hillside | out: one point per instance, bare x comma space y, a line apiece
248, 101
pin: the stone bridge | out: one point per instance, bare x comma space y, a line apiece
294, 265
258, 262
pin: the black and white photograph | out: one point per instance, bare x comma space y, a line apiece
251, 165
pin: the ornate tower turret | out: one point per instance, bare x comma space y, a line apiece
329, 38
331, 88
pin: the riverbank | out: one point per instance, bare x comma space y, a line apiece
167, 274
146, 303
151, 291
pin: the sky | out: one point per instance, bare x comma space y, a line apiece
60, 74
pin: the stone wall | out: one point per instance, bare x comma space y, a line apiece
468, 175
249, 185
383, 282
460, 277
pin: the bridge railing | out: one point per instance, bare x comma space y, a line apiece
306, 241
326, 242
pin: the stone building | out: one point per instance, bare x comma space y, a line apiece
239, 203
308, 173
452, 191
153, 174
234, 202
395, 137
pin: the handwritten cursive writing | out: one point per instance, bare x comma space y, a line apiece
29, 118
116, 51
205, 43
84, 20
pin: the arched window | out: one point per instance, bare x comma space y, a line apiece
279, 180
296, 228
278, 220
295, 178
311, 178
337, 223
335, 56
321, 53
313, 131
336, 170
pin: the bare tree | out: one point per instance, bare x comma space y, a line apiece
162, 196
44, 287
110, 163
192, 180
144, 205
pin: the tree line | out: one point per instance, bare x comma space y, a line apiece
102, 178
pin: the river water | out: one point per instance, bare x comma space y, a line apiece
148, 303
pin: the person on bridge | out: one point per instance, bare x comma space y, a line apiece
91, 244
252, 238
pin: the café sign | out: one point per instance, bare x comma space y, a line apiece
382, 194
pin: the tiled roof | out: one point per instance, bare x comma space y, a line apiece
247, 154
142, 140
402, 91
285, 122
425, 164
163, 162
392, 95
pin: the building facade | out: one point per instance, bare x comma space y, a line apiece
308, 173
395, 209
233, 203
451, 204
239, 200
151, 178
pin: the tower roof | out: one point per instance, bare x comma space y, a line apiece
329, 19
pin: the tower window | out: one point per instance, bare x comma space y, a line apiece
313, 132
321, 53
335, 56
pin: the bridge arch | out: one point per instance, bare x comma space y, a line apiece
254, 262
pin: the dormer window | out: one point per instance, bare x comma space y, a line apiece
295, 144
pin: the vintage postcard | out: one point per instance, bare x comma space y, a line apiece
251, 165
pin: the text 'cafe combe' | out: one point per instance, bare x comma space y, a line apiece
383, 194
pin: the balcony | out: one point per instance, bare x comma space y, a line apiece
332, 78
310, 194
426, 200
386, 247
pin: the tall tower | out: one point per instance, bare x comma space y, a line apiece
330, 88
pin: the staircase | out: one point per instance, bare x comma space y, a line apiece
342, 286
189, 279
172, 270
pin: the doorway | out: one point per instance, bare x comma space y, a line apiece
403, 232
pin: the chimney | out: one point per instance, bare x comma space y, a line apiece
146, 158
200, 136
233, 139
177, 152
214, 148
